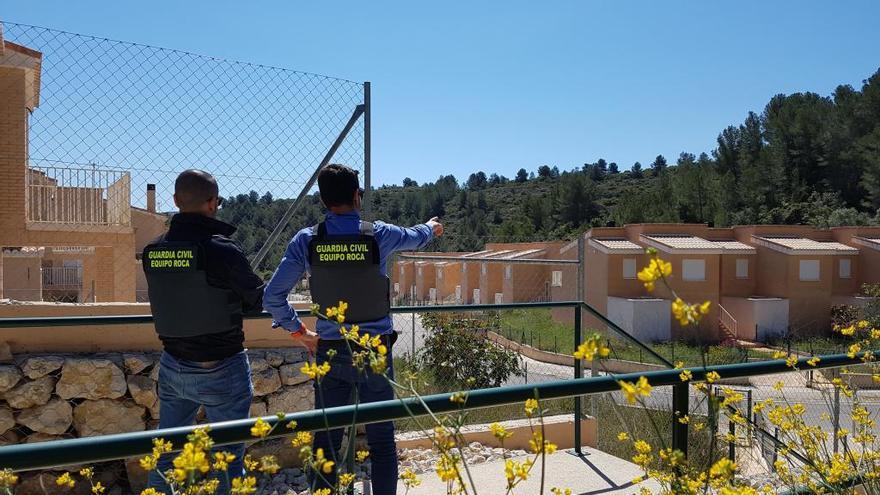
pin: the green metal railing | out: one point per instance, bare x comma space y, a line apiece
679, 395
126, 445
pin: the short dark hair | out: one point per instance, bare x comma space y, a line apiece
193, 187
337, 184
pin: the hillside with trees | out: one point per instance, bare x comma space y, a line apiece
805, 159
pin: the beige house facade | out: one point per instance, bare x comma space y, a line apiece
66, 233
763, 281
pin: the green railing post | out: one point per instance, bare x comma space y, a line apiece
578, 373
578, 365
731, 445
680, 408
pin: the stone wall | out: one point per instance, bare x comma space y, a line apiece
54, 396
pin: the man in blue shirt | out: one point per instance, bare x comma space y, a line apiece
346, 259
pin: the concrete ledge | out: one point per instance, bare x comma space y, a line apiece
259, 334
613, 366
557, 429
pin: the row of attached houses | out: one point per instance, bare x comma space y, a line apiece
501, 273
763, 281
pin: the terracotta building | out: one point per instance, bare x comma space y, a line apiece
762, 281
65, 232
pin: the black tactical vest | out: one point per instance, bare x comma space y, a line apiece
183, 303
346, 268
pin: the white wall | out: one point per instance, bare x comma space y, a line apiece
646, 319
771, 317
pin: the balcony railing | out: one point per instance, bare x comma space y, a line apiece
78, 196
58, 277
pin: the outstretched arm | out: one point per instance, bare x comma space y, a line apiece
289, 272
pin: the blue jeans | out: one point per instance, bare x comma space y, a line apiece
226, 392
337, 389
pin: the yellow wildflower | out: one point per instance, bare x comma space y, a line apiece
499, 431
684, 420
222, 460
688, 314
269, 464
591, 348
853, 350
87, 473
531, 407
320, 463
458, 398
655, 270
191, 459
850, 330
65, 480
8, 479
447, 467
560, 491
149, 462
791, 361
361, 455
301, 439
686, 375
346, 479
260, 429
98, 488
322, 491
150, 491
244, 486
622, 436
312, 370
632, 390
539, 445
712, 376
409, 478
250, 464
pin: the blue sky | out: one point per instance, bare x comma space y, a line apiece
495, 86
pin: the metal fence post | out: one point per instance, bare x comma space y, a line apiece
368, 209
578, 365
731, 445
835, 418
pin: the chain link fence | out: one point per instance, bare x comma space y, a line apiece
97, 130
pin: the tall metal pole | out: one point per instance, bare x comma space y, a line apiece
367, 208
578, 365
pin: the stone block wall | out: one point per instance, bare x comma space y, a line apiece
54, 396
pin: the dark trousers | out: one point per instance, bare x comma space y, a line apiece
337, 388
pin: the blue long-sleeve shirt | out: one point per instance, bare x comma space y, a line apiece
295, 264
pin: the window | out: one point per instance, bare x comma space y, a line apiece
693, 270
484, 268
476, 296
401, 270
742, 268
629, 268
396, 287
845, 268
508, 272
420, 271
499, 298
809, 270
556, 278
440, 274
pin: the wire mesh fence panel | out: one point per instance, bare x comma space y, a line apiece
97, 130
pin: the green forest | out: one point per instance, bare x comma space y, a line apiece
805, 159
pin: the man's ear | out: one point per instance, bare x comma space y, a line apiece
356, 201
176, 203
